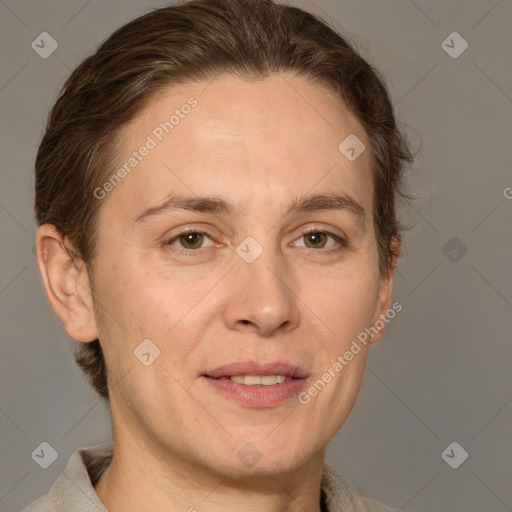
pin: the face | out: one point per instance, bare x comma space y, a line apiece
240, 244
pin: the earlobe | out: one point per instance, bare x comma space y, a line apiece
385, 291
66, 284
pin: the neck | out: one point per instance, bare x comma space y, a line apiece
136, 480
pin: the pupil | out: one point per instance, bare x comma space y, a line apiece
192, 239
315, 238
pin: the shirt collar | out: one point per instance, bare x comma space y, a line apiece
75, 486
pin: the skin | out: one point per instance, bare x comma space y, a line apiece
260, 146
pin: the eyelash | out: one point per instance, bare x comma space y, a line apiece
195, 252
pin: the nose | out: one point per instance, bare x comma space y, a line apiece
262, 299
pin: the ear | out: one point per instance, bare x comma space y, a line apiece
380, 318
66, 284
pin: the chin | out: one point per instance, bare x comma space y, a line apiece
259, 455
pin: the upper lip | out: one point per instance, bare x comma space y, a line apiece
254, 368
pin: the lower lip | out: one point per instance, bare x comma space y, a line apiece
257, 396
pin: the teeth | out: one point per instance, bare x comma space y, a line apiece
257, 380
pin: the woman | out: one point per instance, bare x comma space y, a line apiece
215, 194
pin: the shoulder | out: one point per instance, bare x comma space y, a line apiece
43, 504
74, 488
341, 496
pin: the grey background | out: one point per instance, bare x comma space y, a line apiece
442, 371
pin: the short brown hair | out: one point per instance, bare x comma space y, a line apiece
193, 41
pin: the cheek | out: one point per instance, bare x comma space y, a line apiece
154, 305
143, 314
346, 302
145, 297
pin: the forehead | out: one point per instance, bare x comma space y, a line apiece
257, 140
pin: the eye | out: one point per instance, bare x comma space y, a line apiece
317, 239
190, 240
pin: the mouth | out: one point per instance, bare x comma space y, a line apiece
257, 385
259, 380
251, 373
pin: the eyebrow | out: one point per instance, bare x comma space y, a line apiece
218, 205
